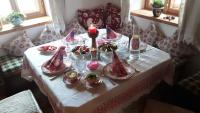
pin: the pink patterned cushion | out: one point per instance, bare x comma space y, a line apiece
129, 28
19, 45
94, 16
152, 34
46, 36
170, 46
74, 24
113, 18
174, 47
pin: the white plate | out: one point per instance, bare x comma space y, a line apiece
107, 71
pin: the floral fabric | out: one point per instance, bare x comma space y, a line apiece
174, 47
151, 35
46, 36
19, 45
74, 24
113, 18
93, 16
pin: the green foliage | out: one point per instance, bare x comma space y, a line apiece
158, 3
14, 15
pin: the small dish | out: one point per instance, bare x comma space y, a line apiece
92, 80
47, 49
71, 77
93, 65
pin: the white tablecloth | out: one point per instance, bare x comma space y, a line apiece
154, 64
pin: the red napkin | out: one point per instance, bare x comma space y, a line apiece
117, 67
56, 61
70, 36
111, 34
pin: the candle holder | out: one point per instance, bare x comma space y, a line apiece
93, 36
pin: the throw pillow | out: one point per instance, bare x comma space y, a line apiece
74, 24
19, 45
46, 36
152, 34
113, 18
174, 47
94, 16
129, 28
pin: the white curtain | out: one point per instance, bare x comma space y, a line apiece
57, 12
125, 11
189, 22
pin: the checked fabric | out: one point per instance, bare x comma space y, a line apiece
10, 64
192, 83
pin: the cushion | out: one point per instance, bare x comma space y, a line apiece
152, 34
95, 16
174, 47
113, 18
192, 83
46, 36
19, 45
129, 28
74, 24
23, 102
10, 64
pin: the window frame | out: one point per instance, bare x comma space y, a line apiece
167, 9
40, 13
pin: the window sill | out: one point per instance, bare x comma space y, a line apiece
147, 14
8, 28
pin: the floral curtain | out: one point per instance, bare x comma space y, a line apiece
125, 11
189, 22
57, 12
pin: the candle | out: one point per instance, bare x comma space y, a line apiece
92, 30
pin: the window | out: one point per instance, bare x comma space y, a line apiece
30, 8
170, 6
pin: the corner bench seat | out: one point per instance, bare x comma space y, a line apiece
10, 64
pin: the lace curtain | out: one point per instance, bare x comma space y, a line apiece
57, 12
189, 22
125, 11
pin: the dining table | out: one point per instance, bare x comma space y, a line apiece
111, 95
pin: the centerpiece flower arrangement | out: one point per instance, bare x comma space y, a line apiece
15, 18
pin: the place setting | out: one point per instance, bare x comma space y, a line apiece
87, 65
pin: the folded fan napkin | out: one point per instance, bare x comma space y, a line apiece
111, 34
56, 61
117, 66
70, 36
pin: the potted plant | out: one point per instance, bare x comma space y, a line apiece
15, 18
157, 7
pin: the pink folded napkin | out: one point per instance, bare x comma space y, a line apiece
70, 36
56, 62
111, 34
117, 67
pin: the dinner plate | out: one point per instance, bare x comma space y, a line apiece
65, 67
104, 36
47, 49
107, 71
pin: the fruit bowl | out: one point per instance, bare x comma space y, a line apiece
80, 51
106, 51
